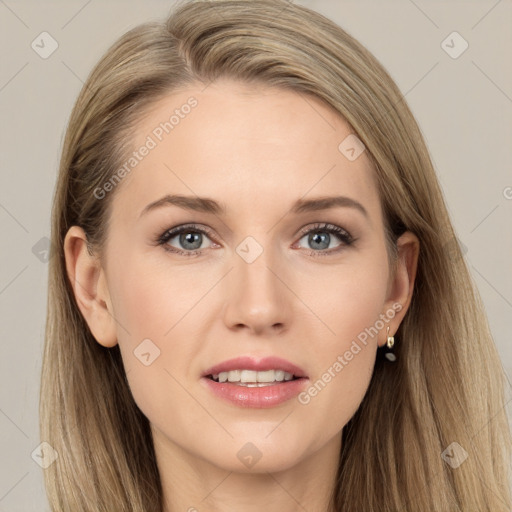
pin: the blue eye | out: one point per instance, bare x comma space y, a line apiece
319, 236
191, 237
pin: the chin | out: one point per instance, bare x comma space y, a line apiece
259, 454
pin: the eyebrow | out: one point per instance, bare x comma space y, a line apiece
207, 205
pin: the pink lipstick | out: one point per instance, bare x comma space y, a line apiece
257, 383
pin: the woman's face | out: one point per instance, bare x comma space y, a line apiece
261, 270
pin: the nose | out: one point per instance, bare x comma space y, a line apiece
258, 299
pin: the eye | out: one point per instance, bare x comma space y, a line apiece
190, 237
320, 237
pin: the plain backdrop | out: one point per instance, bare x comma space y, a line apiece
462, 101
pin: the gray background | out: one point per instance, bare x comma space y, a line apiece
463, 106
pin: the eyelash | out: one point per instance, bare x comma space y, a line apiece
345, 237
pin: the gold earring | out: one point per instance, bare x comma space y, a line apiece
391, 339
389, 343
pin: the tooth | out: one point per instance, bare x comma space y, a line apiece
266, 376
234, 376
243, 377
248, 376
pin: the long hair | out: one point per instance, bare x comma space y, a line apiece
448, 383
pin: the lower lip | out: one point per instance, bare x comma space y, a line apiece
256, 397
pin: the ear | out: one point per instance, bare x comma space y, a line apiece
89, 284
401, 283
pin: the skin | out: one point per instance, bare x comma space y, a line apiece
256, 150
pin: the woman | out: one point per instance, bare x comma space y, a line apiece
200, 354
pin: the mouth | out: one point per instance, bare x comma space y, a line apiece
249, 382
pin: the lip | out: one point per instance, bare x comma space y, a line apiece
256, 397
259, 365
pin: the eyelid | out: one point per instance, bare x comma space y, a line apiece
176, 230
317, 226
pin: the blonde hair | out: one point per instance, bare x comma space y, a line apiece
447, 385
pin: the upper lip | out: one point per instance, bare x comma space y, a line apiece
251, 363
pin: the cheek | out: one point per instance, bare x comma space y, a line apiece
344, 361
151, 308
155, 305
151, 299
353, 297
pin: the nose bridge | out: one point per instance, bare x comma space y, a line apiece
254, 261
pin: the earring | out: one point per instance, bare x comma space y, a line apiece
389, 355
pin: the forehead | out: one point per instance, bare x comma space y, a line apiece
252, 148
